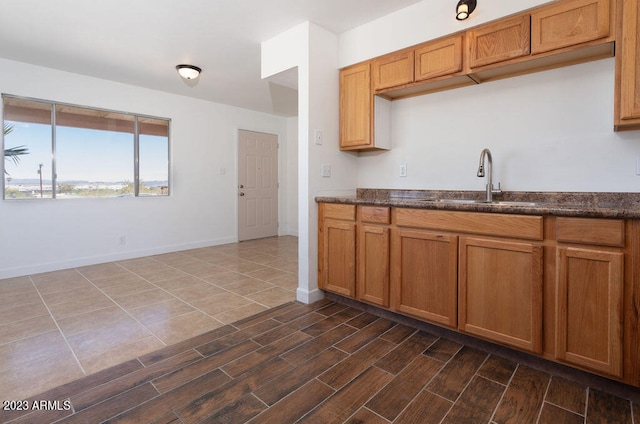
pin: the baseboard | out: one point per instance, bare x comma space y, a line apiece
306, 296
120, 256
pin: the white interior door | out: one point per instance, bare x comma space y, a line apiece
257, 185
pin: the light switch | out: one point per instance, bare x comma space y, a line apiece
325, 170
317, 137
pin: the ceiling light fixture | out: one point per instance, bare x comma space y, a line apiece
188, 72
464, 9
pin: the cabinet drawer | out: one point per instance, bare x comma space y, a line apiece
569, 23
502, 225
439, 58
375, 214
605, 232
346, 212
500, 41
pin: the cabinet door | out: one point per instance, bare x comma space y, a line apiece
628, 66
499, 41
373, 266
339, 257
500, 288
393, 70
589, 309
569, 23
424, 275
355, 107
443, 57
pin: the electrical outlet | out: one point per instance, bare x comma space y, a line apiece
325, 170
637, 165
403, 170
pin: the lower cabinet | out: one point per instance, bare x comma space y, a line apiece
338, 249
373, 269
589, 309
500, 291
424, 275
488, 275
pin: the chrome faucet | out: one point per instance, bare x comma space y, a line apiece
490, 189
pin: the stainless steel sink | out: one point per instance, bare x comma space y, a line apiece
454, 200
510, 203
472, 201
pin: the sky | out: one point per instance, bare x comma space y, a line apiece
85, 154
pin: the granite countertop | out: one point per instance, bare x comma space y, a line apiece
585, 204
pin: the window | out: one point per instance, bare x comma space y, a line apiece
54, 150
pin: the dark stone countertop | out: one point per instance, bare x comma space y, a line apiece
583, 204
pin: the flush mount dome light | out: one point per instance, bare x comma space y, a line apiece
464, 9
188, 72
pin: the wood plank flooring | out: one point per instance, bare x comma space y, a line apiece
322, 363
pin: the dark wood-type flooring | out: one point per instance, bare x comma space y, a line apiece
323, 363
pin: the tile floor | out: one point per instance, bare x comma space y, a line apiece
59, 326
325, 363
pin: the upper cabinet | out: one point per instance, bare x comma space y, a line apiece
358, 107
569, 23
438, 58
393, 70
429, 67
498, 41
627, 95
561, 33
355, 107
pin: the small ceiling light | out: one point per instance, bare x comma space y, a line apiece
188, 72
464, 9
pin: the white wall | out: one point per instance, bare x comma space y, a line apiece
290, 224
42, 235
547, 131
313, 50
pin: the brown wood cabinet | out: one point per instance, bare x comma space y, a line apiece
561, 33
589, 310
424, 275
565, 288
438, 58
500, 291
338, 249
569, 23
590, 293
393, 70
356, 107
374, 246
627, 94
364, 118
498, 41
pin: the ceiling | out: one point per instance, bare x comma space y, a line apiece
140, 42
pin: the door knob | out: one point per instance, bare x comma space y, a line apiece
241, 185
241, 194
